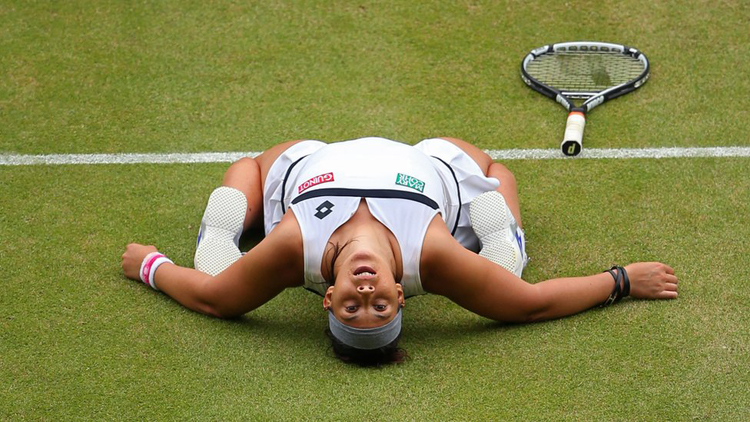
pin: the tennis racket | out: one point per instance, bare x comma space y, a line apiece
585, 70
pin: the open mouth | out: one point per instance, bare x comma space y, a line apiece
364, 271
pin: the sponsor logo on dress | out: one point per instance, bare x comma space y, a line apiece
410, 182
324, 209
323, 178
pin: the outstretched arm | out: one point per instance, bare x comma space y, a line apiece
489, 290
270, 267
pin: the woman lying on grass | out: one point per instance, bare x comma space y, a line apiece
368, 223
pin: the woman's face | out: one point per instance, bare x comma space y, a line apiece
365, 293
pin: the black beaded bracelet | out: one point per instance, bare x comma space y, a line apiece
622, 285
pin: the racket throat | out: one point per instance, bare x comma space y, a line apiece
573, 138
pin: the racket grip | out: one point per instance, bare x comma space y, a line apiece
573, 139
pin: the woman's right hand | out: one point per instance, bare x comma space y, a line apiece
132, 259
652, 280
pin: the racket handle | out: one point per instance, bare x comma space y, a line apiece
573, 139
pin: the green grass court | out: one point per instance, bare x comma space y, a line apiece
79, 341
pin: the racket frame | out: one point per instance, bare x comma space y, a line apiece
591, 99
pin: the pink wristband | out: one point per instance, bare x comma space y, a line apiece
149, 265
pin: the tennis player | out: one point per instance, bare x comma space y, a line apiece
368, 223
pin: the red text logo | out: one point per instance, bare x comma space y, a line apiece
323, 178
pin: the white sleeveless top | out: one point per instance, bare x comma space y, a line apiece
400, 184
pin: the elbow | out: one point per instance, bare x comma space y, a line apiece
216, 311
210, 310
208, 301
536, 308
536, 316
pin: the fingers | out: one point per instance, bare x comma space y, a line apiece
667, 294
671, 281
670, 284
668, 269
672, 287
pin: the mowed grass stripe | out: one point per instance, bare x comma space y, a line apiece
508, 154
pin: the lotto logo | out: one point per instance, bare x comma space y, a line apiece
323, 178
323, 210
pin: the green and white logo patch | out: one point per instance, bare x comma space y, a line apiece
410, 182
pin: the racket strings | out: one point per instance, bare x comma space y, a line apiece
584, 71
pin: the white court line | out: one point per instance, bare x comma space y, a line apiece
620, 153
496, 154
178, 158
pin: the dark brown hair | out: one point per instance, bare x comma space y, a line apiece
335, 250
385, 355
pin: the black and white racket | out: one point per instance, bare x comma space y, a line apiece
591, 71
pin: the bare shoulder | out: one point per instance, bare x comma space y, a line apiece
287, 233
441, 252
435, 241
281, 253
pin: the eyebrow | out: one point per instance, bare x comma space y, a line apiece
355, 316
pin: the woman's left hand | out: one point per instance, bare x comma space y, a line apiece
132, 259
652, 280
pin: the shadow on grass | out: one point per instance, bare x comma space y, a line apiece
456, 329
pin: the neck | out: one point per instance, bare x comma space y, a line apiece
364, 234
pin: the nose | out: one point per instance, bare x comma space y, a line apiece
365, 289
